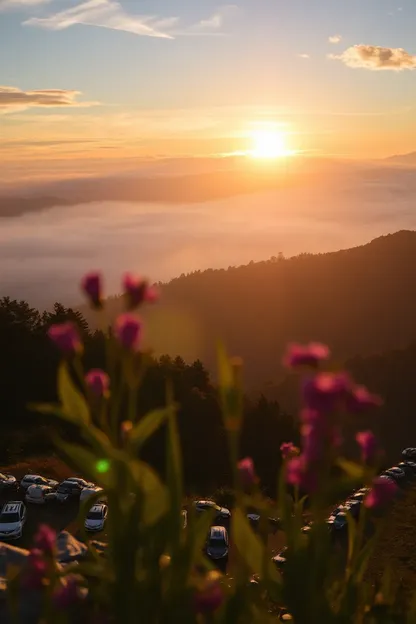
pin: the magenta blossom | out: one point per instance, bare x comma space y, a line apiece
382, 492
246, 471
300, 473
98, 381
67, 594
305, 355
360, 399
45, 539
368, 444
325, 391
288, 449
210, 598
137, 291
34, 576
128, 330
66, 338
91, 284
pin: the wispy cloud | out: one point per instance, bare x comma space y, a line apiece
20, 4
304, 56
13, 99
110, 14
376, 58
334, 38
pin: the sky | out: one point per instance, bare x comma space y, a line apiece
105, 82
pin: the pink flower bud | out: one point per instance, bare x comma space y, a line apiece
137, 291
288, 449
45, 539
67, 594
66, 338
381, 494
209, 598
246, 471
98, 381
91, 284
360, 399
128, 330
368, 444
305, 355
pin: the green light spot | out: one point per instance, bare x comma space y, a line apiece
103, 465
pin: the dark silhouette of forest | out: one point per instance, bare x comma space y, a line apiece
358, 301
28, 366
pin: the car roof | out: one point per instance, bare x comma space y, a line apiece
206, 502
218, 532
99, 507
12, 507
29, 477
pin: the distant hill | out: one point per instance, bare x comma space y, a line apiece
405, 159
359, 301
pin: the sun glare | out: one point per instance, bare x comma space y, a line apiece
269, 144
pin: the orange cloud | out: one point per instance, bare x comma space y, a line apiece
376, 58
13, 99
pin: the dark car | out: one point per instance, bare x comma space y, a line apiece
81, 482
396, 474
68, 490
217, 544
409, 453
7, 482
409, 468
31, 479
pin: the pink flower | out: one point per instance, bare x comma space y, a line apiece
325, 391
360, 399
368, 444
45, 539
67, 594
288, 449
137, 291
246, 471
381, 493
300, 473
305, 355
34, 576
210, 598
98, 381
128, 330
91, 284
66, 338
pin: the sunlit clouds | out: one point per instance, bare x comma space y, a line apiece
376, 58
13, 99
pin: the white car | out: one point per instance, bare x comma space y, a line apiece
30, 479
96, 518
221, 513
86, 492
39, 494
280, 559
12, 520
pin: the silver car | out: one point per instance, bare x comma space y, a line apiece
96, 518
217, 545
12, 520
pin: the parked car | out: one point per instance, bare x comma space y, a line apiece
221, 513
338, 522
30, 479
96, 517
409, 453
280, 559
81, 482
395, 473
7, 482
68, 490
254, 519
39, 494
12, 520
359, 495
409, 468
217, 544
87, 492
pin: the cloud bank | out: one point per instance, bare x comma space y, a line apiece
376, 58
13, 99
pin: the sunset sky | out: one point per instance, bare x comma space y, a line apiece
84, 83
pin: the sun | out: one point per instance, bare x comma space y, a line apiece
269, 144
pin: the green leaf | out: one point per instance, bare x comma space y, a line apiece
352, 537
86, 463
147, 426
73, 403
249, 545
155, 495
174, 472
355, 471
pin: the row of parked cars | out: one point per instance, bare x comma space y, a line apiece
402, 474
39, 490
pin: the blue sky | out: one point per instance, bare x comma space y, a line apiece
223, 63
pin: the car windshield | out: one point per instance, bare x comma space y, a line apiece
6, 518
95, 515
217, 542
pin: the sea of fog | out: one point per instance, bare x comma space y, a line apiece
44, 255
